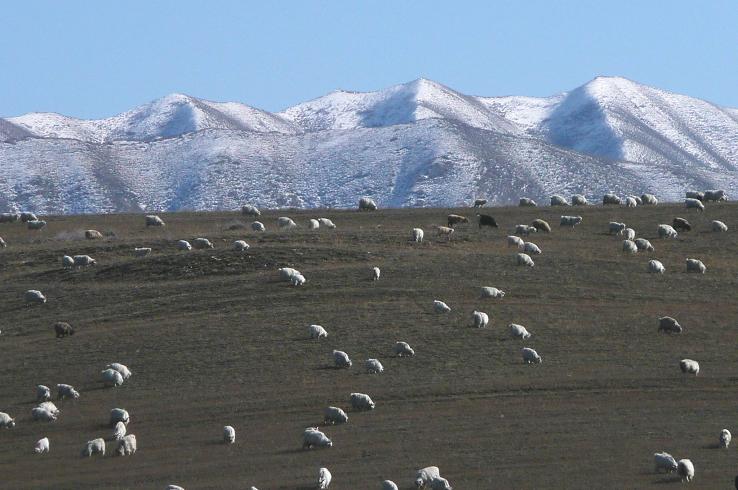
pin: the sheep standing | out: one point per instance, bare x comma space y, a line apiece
34, 296
373, 366
324, 478
557, 200
126, 446
42, 446
445, 231
664, 461
630, 202
43, 415
681, 224
6, 421
312, 437
119, 431
530, 356
83, 261
685, 469
515, 241
240, 246
43, 393
715, 195
610, 198
341, 359
519, 331
689, 366
154, 220
719, 226
649, 200
656, 267
616, 228
440, 483
725, 438
258, 226
455, 219
184, 245
67, 262
119, 415
666, 231
50, 407
480, 319
694, 265
541, 225
478, 203
112, 378
644, 244
202, 243
403, 349
694, 203
313, 224
367, 204
417, 235
669, 325
524, 259
629, 234
526, 202
93, 235
425, 476
317, 332
229, 434
121, 368
249, 210
525, 230
629, 246
531, 248
326, 223
579, 200
490, 292
571, 221
376, 273
64, 391
334, 415
441, 307
361, 401
142, 251
93, 447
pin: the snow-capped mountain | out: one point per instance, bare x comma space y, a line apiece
415, 144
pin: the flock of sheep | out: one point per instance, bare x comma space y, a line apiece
115, 374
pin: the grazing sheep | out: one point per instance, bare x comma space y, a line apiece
719, 226
515, 241
367, 204
229, 434
725, 438
95, 446
376, 273
681, 224
440, 483
685, 469
63, 329
694, 203
629, 234
629, 246
112, 378
183, 245
695, 195
36, 225
426, 475
666, 231
519, 331
326, 223
644, 244
417, 235
286, 273
669, 325
9, 217
480, 319
441, 307
373, 366
93, 235
541, 225
688, 366
317, 332
444, 231
121, 368
341, 359
154, 220
361, 401
403, 349
258, 226
64, 391
34, 296
664, 461
715, 195
43, 393
142, 251
49, 406
570, 221
478, 203
324, 478
249, 210
526, 202
297, 280
531, 248
557, 200
525, 230
202, 243
43, 415
490, 292
126, 446
455, 219
313, 437
630, 202
694, 265
83, 260
6, 421
119, 415
524, 259
2, 243
649, 200
656, 267
530, 356
334, 415
579, 200
42, 446
119, 431
313, 224
616, 228
26, 216
389, 485
240, 246
486, 220
610, 198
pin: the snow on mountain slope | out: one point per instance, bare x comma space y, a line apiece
10, 132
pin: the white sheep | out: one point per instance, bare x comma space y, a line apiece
42, 446
373, 366
725, 438
34, 296
530, 356
126, 445
531, 248
664, 461
317, 332
629, 234
177, 487
685, 469
95, 446
480, 319
630, 202
153, 220
649, 200
297, 279
326, 223
111, 378
666, 231
644, 244
83, 260
313, 437
43, 393
367, 204
285, 222
43, 415
142, 251
527, 202
669, 325
616, 228
389, 485
119, 415
524, 259
240, 246
361, 401
121, 368
313, 224
286, 273
229, 434
715, 195
202, 243
519, 331
258, 226
249, 210
445, 231
579, 200
376, 273
119, 431
571, 221
417, 235
426, 475
6, 421
719, 226
36, 224
440, 483
689, 366
334, 415
184, 245
403, 349
557, 200
694, 203
695, 265
64, 391
324, 478
629, 246
341, 359
525, 230
441, 307
515, 241
67, 262
490, 292
656, 267
610, 198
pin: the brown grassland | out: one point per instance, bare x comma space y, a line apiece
213, 339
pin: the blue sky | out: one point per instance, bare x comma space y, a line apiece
96, 59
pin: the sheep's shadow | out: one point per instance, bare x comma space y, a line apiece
328, 368
714, 445
668, 480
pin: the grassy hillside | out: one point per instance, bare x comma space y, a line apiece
213, 339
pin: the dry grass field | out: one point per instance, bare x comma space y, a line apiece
213, 339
